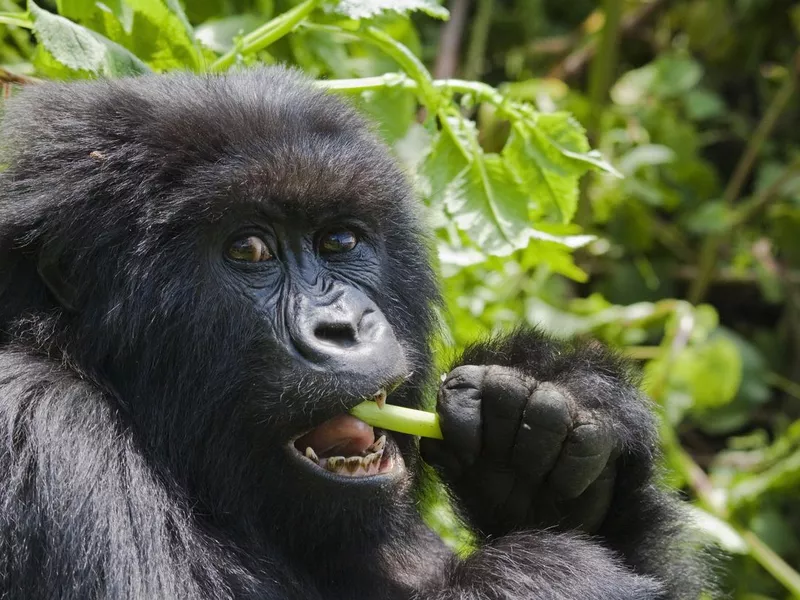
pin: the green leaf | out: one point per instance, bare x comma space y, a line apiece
80, 49
550, 178
392, 108
704, 104
156, 31
710, 372
491, 197
444, 166
646, 155
568, 136
490, 206
368, 9
220, 34
94, 14
669, 76
77, 10
163, 36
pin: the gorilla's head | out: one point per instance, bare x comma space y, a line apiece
237, 261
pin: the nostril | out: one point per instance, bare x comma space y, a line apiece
340, 334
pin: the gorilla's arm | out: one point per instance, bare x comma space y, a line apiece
83, 516
541, 433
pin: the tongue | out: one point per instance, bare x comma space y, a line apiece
343, 435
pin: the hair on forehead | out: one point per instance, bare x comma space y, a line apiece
150, 147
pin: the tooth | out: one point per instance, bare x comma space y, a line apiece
379, 443
352, 463
310, 454
335, 463
380, 398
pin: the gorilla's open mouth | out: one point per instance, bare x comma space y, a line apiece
348, 447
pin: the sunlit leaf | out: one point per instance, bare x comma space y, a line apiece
367, 9
490, 206
722, 533
80, 49
550, 178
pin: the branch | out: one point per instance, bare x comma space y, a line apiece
748, 210
479, 37
574, 64
450, 40
9, 77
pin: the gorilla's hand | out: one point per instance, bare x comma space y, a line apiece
518, 451
538, 443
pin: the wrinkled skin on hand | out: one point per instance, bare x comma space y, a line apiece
523, 453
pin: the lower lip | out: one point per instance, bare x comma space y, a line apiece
391, 452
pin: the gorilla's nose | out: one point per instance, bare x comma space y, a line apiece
346, 332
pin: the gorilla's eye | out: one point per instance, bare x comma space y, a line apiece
250, 249
333, 242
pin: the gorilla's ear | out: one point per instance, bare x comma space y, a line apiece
63, 291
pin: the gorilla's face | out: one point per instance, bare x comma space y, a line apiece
311, 283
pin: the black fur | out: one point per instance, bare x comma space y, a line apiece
144, 403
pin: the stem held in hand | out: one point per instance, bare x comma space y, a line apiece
399, 418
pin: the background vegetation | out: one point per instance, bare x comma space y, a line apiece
685, 254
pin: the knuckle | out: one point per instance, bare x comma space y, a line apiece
589, 440
550, 410
465, 377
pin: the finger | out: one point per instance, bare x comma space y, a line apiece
546, 422
505, 393
459, 408
589, 509
583, 457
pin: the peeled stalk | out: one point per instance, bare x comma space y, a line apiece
399, 418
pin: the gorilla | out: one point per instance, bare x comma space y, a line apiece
199, 277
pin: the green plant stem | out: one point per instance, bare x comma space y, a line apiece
774, 564
399, 418
478, 39
16, 19
367, 84
604, 63
481, 91
601, 72
749, 209
713, 243
784, 384
408, 62
265, 35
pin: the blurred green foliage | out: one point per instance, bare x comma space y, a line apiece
685, 254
